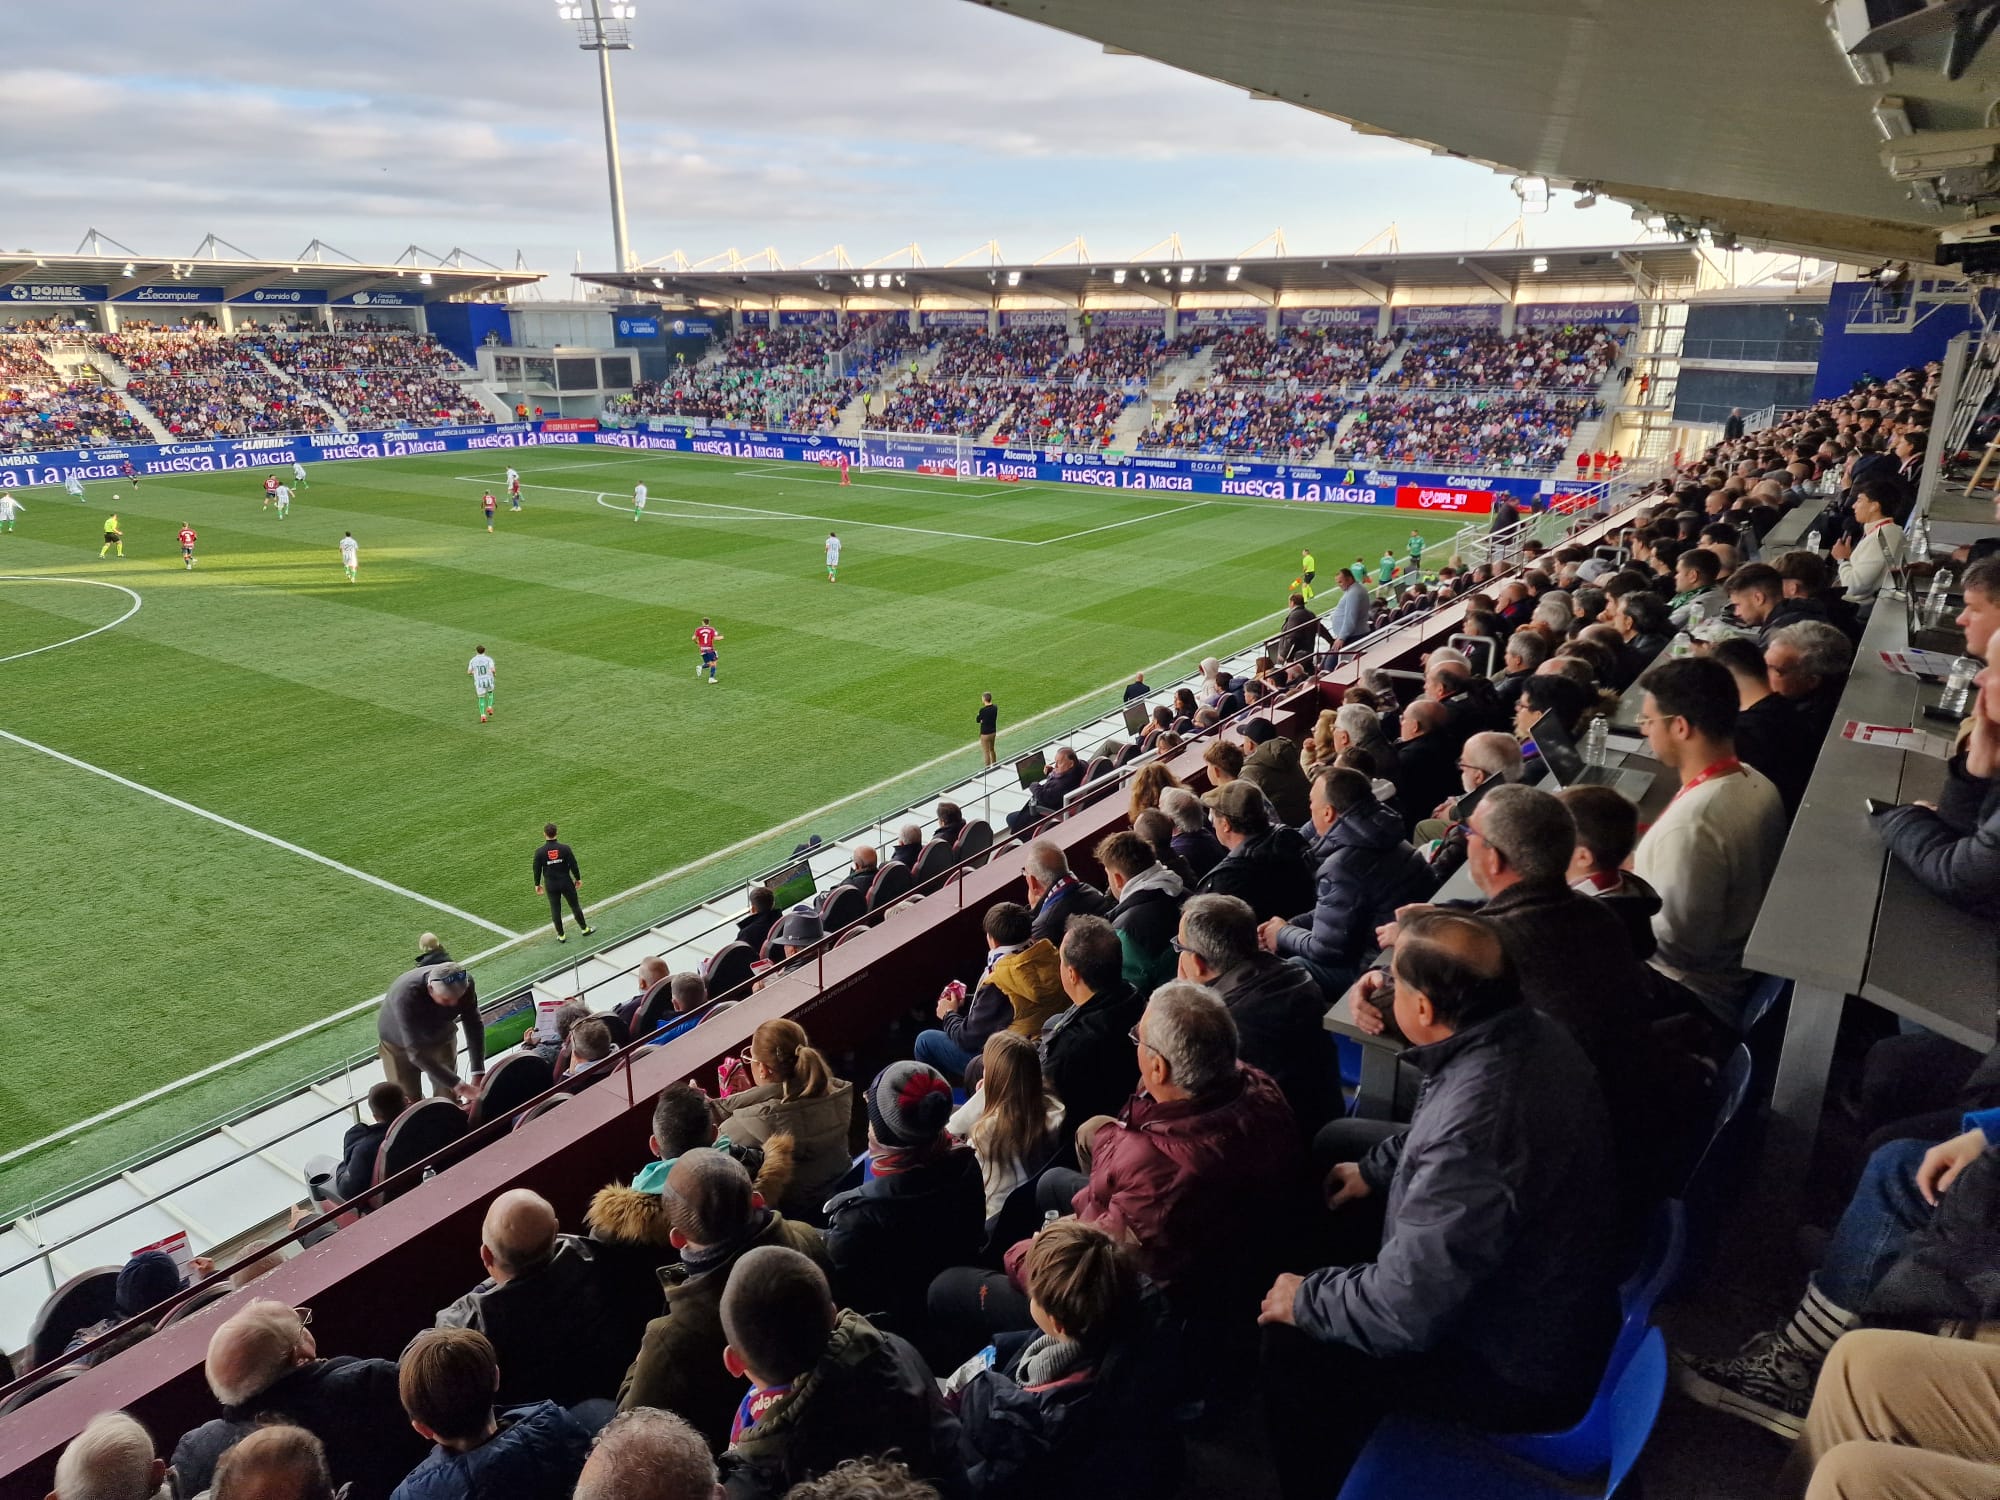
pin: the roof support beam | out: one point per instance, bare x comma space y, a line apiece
1505, 289
1374, 289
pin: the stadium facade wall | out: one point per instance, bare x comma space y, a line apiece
1468, 492
463, 326
1847, 354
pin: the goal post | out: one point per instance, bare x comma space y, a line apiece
940, 454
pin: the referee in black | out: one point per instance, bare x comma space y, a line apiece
557, 877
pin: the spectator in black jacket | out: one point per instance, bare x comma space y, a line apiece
756, 927
1954, 848
546, 1308
1087, 1053
430, 950
1267, 864
262, 1361
1278, 1007
1148, 897
1493, 1293
1046, 796
1770, 734
1194, 841
1055, 895
1807, 663
825, 1385
922, 1210
1366, 870
1642, 619
1427, 761
356, 1173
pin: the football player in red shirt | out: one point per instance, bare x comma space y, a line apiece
187, 546
705, 637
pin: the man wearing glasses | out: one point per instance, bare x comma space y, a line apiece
1711, 853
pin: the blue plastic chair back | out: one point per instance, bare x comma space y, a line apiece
1411, 1458
1635, 1407
1347, 1055
1715, 1172
1585, 1449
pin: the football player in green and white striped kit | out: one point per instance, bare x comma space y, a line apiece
480, 670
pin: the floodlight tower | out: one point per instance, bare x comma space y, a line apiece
604, 27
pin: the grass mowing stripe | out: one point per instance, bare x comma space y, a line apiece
270, 838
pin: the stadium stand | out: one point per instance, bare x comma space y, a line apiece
44, 408
374, 378
201, 383
1498, 428
1572, 359
1488, 1329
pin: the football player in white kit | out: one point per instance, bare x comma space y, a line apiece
298, 474
514, 489
283, 495
75, 487
638, 501
350, 556
832, 557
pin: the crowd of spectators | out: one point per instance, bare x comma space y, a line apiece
1141, 1070
43, 408
202, 383
1555, 359
1464, 429
1009, 355
1299, 357
376, 379
1247, 419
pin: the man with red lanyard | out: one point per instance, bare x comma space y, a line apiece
1711, 853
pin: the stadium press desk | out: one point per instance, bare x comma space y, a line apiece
1838, 920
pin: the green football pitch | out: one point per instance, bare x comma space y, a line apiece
238, 793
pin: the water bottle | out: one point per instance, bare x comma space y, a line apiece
1594, 741
1697, 612
1812, 540
1918, 541
1938, 600
1957, 696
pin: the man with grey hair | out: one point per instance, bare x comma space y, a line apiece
1193, 840
646, 1454
279, 1461
262, 1363
1488, 756
1427, 768
413, 1032
1527, 650
909, 844
1055, 894
1808, 664
558, 1329
1571, 953
1206, 1149
111, 1459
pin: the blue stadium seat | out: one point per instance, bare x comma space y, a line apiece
1585, 1449
1716, 1171
1409, 1459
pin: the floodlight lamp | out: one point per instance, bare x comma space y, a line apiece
868, 280
901, 279
1533, 193
658, 285
425, 279
1013, 278
130, 269
1118, 277
1187, 274
1539, 264
1234, 272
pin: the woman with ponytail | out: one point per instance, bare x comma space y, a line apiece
794, 1093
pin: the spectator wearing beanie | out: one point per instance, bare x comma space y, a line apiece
922, 1209
1271, 764
145, 1281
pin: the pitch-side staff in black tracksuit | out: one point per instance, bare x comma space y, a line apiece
557, 877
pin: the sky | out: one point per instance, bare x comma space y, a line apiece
797, 124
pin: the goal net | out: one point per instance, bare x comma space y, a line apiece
934, 453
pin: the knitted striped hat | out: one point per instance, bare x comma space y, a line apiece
908, 1104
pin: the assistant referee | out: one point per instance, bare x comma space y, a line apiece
557, 877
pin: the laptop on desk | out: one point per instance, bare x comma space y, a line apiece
1565, 762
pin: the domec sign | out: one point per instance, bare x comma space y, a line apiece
53, 291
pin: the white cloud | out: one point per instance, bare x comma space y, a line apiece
872, 122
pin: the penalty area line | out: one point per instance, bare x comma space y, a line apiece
257, 833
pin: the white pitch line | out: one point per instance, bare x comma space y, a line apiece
257, 833
93, 582
516, 939
1114, 525
751, 512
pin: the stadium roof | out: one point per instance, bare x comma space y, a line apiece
1604, 271
239, 277
1745, 115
